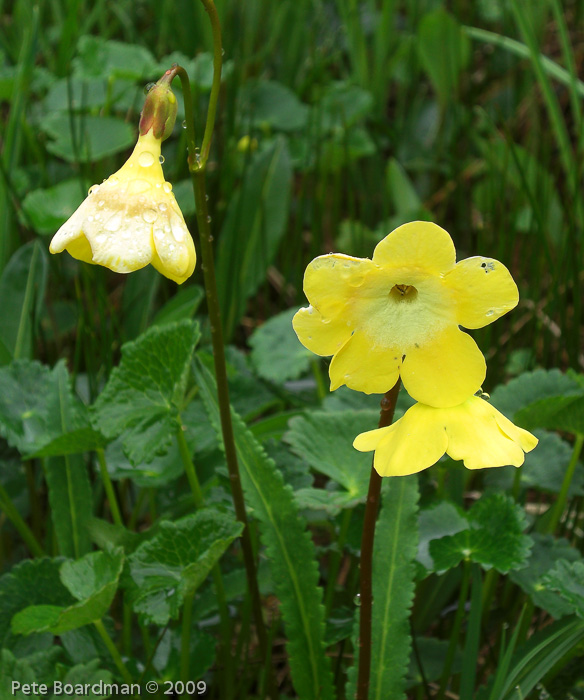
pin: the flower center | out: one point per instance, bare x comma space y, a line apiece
403, 293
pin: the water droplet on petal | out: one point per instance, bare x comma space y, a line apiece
167, 187
490, 312
149, 216
146, 159
114, 222
162, 206
100, 203
161, 159
113, 180
90, 218
93, 189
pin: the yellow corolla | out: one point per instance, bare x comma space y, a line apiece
399, 314
131, 220
474, 431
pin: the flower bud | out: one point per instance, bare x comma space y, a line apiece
159, 113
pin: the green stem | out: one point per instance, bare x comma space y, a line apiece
109, 488
198, 169
185, 644
560, 504
189, 468
16, 519
455, 632
388, 403
216, 86
113, 650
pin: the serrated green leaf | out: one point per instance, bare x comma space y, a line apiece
23, 283
47, 209
544, 468
143, 394
276, 352
395, 548
82, 675
290, 551
71, 443
96, 137
494, 539
92, 580
325, 441
32, 582
547, 551
254, 224
435, 522
444, 51
174, 563
567, 578
31, 669
332, 502
564, 413
530, 387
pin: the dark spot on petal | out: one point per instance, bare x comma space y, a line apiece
416, 345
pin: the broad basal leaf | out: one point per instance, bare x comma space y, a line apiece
92, 580
142, 396
438, 521
290, 551
494, 538
567, 578
176, 561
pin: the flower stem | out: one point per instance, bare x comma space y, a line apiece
197, 167
563, 495
14, 516
388, 403
113, 650
109, 488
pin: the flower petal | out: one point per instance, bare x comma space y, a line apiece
445, 371
419, 244
413, 443
320, 336
514, 432
366, 442
484, 290
475, 437
365, 367
330, 281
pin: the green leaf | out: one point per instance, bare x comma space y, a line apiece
396, 544
276, 352
103, 58
143, 395
290, 552
530, 387
342, 106
23, 283
547, 552
32, 582
183, 305
47, 209
269, 103
544, 468
255, 222
325, 441
32, 669
174, 563
567, 578
406, 201
444, 50
83, 675
70, 491
494, 538
564, 413
71, 443
439, 521
92, 580
95, 137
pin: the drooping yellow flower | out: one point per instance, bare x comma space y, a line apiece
399, 314
132, 219
473, 431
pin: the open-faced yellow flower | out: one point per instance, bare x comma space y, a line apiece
473, 431
399, 314
132, 219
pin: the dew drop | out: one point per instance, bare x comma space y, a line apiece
210, 239
167, 187
100, 203
184, 124
161, 159
93, 189
142, 199
114, 222
113, 180
209, 219
223, 52
101, 238
90, 218
207, 197
146, 159
490, 312
357, 600
149, 216
162, 206
148, 87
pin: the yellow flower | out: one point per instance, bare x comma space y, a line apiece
399, 314
131, 220
474, 431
